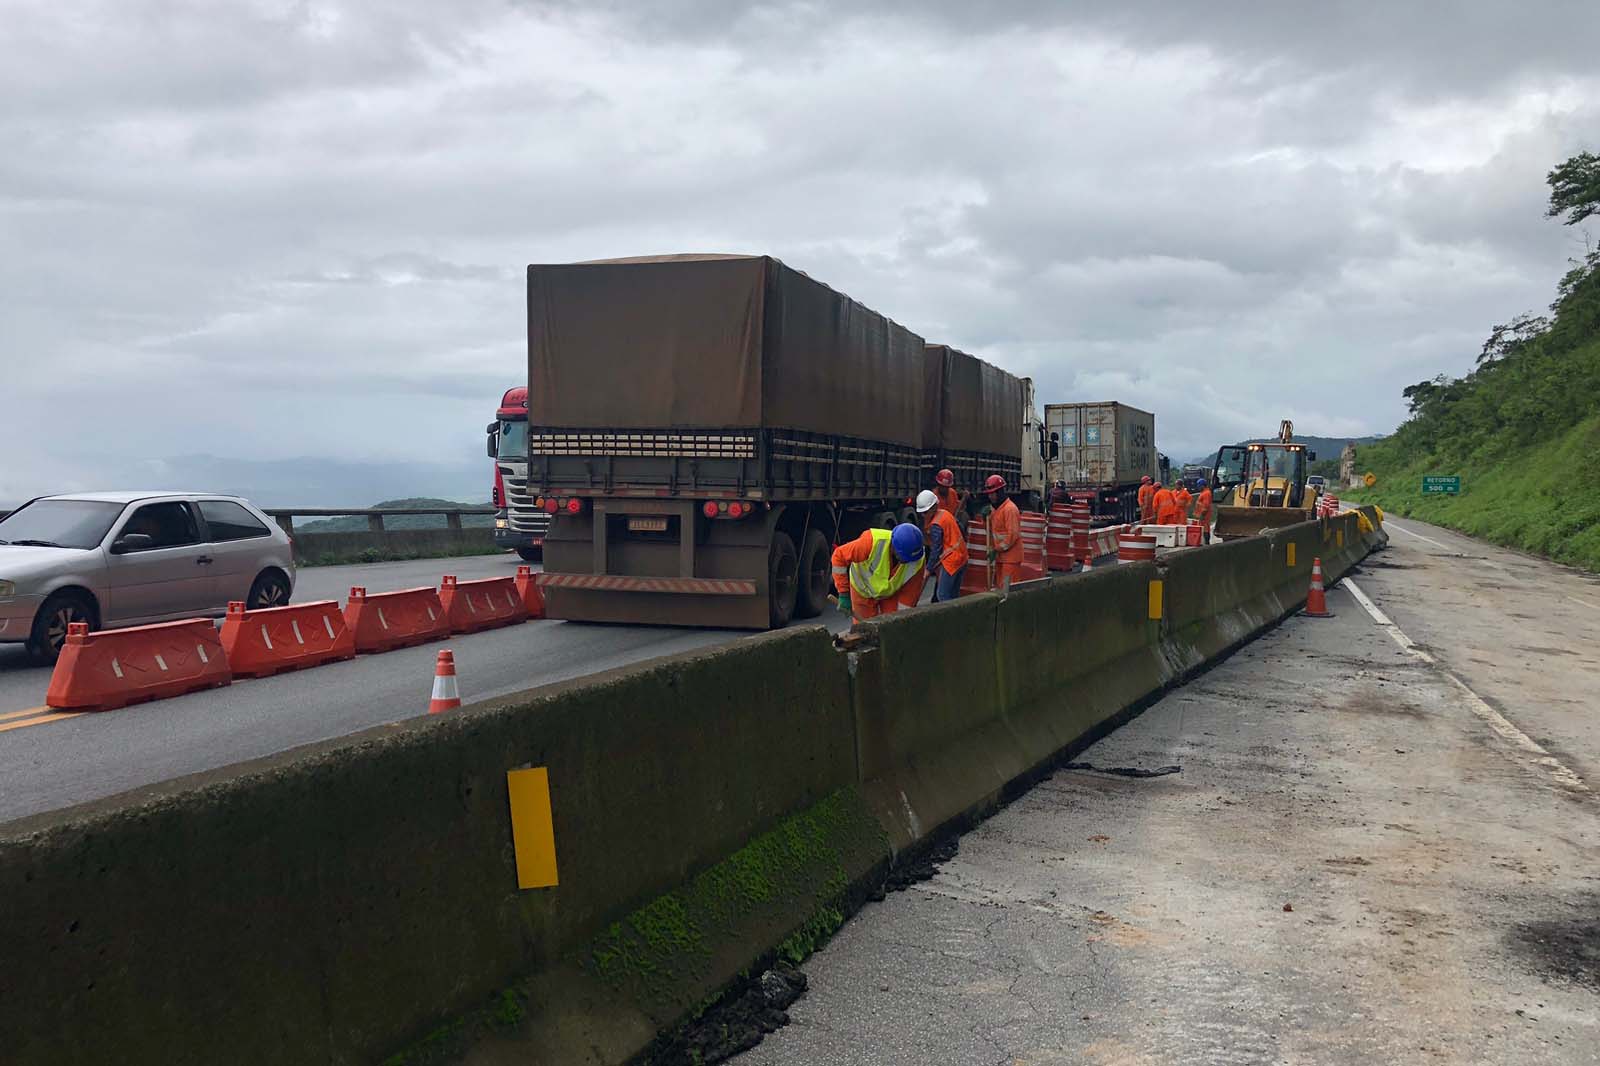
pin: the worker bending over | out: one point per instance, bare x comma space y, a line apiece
1147, 499
1005, 535
1166, 507
946, 547
880, 571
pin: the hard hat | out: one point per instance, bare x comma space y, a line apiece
1145, 480
996, 483
945, 478
906, 540
926, 501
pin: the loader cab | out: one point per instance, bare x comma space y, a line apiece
1263, 475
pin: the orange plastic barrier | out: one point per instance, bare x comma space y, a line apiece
391, 620
473, 605
115, 667
1033, 546
1060, 546
266, 642
528, 589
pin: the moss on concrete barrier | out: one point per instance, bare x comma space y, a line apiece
357, 900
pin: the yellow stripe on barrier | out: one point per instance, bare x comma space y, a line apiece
1291, 553
533, 833
1155, 600
1341, 538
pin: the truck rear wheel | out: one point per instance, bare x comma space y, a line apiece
783, 579
816, 575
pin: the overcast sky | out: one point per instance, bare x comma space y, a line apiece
275, 230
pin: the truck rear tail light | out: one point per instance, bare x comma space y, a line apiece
551, 505
710, 509
574, 506
736, 509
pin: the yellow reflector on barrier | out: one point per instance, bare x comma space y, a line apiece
533, 833
1291, 553
1341, 538
1155, 599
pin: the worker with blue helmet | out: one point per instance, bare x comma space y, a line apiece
880, 571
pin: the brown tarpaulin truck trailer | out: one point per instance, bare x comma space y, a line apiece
705, 428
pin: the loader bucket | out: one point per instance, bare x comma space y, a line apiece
1235, 522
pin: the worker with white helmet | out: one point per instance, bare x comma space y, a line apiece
946, 547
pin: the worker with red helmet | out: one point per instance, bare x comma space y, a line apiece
944, 488
1167, 510
1147, 499
1005, 535
880, 571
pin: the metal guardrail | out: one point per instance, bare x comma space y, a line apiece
285, 516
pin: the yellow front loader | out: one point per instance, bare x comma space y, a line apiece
1263, 486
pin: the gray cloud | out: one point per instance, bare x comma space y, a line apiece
295, 230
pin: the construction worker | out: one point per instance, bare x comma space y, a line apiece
879, 572
945, 489
1166, 507
946, 547
1059, 496
1202, 504
1184, 499
1005, 535
1147, 499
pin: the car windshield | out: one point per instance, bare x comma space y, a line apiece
513, 442
60, 523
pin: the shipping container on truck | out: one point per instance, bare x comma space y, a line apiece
704, 428
1103, 448
980, 421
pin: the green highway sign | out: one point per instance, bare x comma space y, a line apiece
1448, 484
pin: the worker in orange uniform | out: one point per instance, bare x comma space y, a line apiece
946, 547
944, 488
1147, 499
879, 572
1166, 507
1005, 535
1181, 489
1202, 505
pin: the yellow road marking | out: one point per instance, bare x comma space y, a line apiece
22, 714
41, 720
533, 834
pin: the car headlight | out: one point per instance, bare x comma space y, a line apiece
8, 589
500, 523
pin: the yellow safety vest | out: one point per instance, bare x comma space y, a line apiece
882, 575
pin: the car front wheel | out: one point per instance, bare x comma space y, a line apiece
50, 624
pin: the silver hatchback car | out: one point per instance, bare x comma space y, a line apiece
116, 559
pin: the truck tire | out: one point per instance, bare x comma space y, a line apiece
816, 575
783, 580
531, 555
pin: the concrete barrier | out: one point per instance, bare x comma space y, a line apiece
342, 901
358, 899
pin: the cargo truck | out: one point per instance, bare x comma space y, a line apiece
704, 429
518, 525
974, 413
1103, 449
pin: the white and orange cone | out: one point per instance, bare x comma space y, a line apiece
1316, 599
446, 696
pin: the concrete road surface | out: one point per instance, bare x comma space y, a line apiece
54, 760
1383, 847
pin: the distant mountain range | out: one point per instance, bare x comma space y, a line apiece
1325, 447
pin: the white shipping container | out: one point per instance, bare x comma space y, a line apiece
1101, 444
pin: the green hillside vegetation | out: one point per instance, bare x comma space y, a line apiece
358, 523
1523, 428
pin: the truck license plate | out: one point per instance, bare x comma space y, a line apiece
647, 525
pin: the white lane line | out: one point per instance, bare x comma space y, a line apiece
1496, 721
1392, 524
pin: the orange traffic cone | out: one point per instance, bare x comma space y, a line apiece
1316, 599
446, 696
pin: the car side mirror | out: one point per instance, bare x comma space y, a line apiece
132, 542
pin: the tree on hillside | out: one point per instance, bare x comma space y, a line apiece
1506, 339
1575, 188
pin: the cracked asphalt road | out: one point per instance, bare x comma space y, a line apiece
1353, 867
